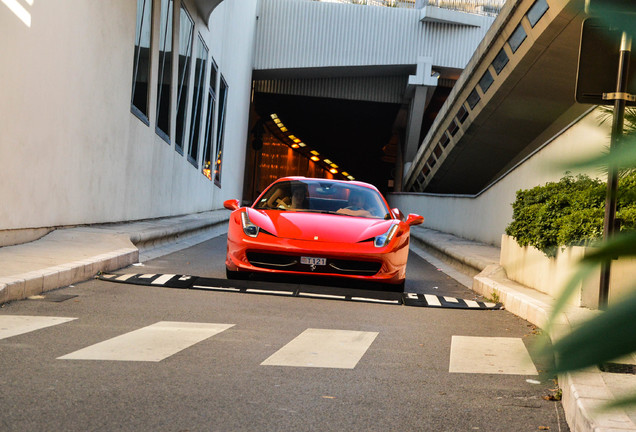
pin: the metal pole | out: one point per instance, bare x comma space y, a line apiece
612, 175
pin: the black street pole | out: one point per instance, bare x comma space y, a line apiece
620, 98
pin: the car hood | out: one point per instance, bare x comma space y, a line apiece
318, 226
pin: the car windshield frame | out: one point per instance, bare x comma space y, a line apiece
324, 196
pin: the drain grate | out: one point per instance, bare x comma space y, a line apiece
619, 368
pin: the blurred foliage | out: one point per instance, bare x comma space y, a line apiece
612, 333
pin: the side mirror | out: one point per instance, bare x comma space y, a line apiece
398, 214
414, 219
232, 204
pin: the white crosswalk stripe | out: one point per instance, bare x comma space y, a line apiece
13, 325
323, 348
490, 355
153, 343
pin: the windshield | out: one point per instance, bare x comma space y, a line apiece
323, 196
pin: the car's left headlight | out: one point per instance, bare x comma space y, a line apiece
248, 227
385, 239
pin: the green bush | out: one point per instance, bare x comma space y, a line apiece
568, 212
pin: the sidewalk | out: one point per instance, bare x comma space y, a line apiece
72, 255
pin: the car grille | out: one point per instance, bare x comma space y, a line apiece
333, 266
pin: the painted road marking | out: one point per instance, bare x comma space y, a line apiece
325, 296
323, 348
262, 291
162, 279
13, 325
216, 288
490, 355
432, 300
372, 300
152, 344
125, 277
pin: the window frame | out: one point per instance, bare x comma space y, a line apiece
198, 99
206, 164
221, 116
165, 68
140, 30
183, 77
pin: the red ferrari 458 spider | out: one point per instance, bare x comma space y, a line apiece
320, 227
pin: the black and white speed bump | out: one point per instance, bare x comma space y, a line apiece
294, 290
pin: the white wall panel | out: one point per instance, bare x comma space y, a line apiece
298, 34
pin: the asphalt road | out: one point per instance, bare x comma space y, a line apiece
400, 379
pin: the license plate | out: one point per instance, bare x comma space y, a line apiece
313, 261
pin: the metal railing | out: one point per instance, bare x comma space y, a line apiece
480, 7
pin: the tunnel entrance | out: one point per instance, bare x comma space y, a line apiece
320, 137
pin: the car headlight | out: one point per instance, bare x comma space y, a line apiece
248, 227
384, 239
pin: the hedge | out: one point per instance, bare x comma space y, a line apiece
569, 212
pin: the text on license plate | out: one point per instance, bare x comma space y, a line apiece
313, 261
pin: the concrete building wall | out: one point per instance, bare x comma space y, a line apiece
71, 150
484, 217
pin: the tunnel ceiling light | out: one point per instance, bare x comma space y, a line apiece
344, 173
351, 177
294, 146
274, 116
302, 144
333, 171
314, 152
327, 161
315, 158
283, 128
333, 165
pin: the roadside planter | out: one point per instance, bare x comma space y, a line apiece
532, 268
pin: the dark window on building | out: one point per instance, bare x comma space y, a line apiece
209, 123
500, 61
462, 114
185, 52
420, 180
453, 127
425, 171
536, 11
164, 76
141, 61
431, 161
516, 39
438, 151
197, 106
445, 140
473, 98
486, 81
223, 89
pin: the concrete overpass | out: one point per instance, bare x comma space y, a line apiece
516, 93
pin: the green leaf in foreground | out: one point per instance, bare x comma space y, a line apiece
606, 337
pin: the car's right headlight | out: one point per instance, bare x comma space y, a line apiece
249, 228
385, 239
